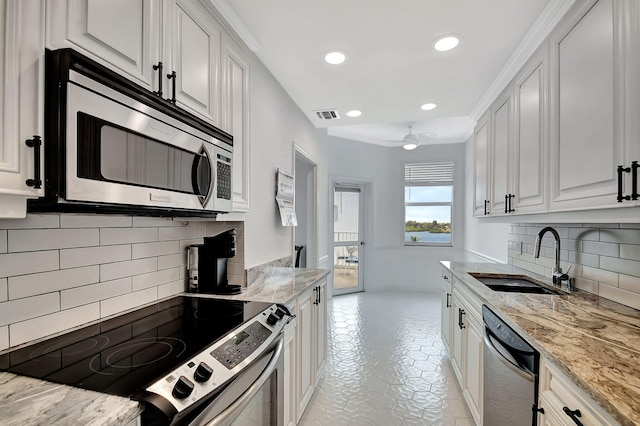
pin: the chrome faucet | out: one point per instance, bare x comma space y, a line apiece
557, 276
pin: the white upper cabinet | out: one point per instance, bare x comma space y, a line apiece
123, 35
21, 104
193, 55
235, 118
588, 137
500, 150
530, 136
481, 166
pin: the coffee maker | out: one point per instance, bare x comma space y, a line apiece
207, 264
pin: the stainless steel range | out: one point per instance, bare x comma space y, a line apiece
188, 360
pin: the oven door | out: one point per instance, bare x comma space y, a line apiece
128, 153
253, 398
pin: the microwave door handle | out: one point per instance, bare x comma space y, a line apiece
202, 156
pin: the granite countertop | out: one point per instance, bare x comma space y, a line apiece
594, 341
26, 401
277, 285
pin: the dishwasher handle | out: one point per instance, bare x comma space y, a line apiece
490, 344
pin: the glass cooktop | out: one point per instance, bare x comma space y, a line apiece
122, 355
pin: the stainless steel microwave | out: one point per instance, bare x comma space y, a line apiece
114, 147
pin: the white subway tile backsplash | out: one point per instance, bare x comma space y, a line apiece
22, 309
36, 328
20, 240
616, 294
111, 236
584, 234
627, 282
624, 266
172, 261
128, 301
46, 282
94, 293
171, 289
183, 233
66, 277
4, 337
622, 236
140, 282
32, 221
28, 263
584, 259
602, 249
73, 258
112, 271
94, 221
154, 249
631, 252
600, 275
586, 285
4, 292
3, 240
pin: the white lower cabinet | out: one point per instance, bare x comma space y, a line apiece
446, 313
564, 404
290, 341
467, 349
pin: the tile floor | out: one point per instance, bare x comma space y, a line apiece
386, 365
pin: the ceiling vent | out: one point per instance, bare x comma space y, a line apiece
329, 114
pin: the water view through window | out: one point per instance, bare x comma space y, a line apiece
428, 214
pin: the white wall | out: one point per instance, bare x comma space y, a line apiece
388, 263
276, 123
486, 239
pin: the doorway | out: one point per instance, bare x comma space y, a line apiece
348, 241
305, 198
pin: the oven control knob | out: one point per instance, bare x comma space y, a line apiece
272, 319
203, 373
183, 388
280, 312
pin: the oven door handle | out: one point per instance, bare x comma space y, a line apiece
489, 344
231, 412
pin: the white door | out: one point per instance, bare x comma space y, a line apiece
348, 238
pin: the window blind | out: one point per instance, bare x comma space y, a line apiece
428, 173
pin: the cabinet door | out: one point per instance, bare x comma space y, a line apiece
446, 312
587, 144
235, 118
320, 335
21, 101
290, 368
195, 58
458, 341
306, 370
481, 166
473, 369
124, 35
530, 139
501, 118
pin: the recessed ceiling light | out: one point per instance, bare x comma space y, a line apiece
428, 106
335, 57
445, 43
353, 113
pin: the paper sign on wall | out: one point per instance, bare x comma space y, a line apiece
285, 187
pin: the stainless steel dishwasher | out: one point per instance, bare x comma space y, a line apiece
510, 375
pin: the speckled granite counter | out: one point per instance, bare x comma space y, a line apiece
278, 284
25, 401
594, 341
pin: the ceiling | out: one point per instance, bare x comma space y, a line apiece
391, 67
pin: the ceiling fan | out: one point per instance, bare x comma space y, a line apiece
412, 140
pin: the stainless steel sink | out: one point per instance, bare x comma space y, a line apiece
512, 283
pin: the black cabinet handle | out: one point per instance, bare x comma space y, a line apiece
634, 180
510, 210
574, 415
506, 203
620, 171
172, 76
316, 290
486, 202
158, 68
35, 143
461, 312
448, 300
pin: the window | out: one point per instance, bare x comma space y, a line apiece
428, 199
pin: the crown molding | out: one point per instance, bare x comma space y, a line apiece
553, 12
235, 22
